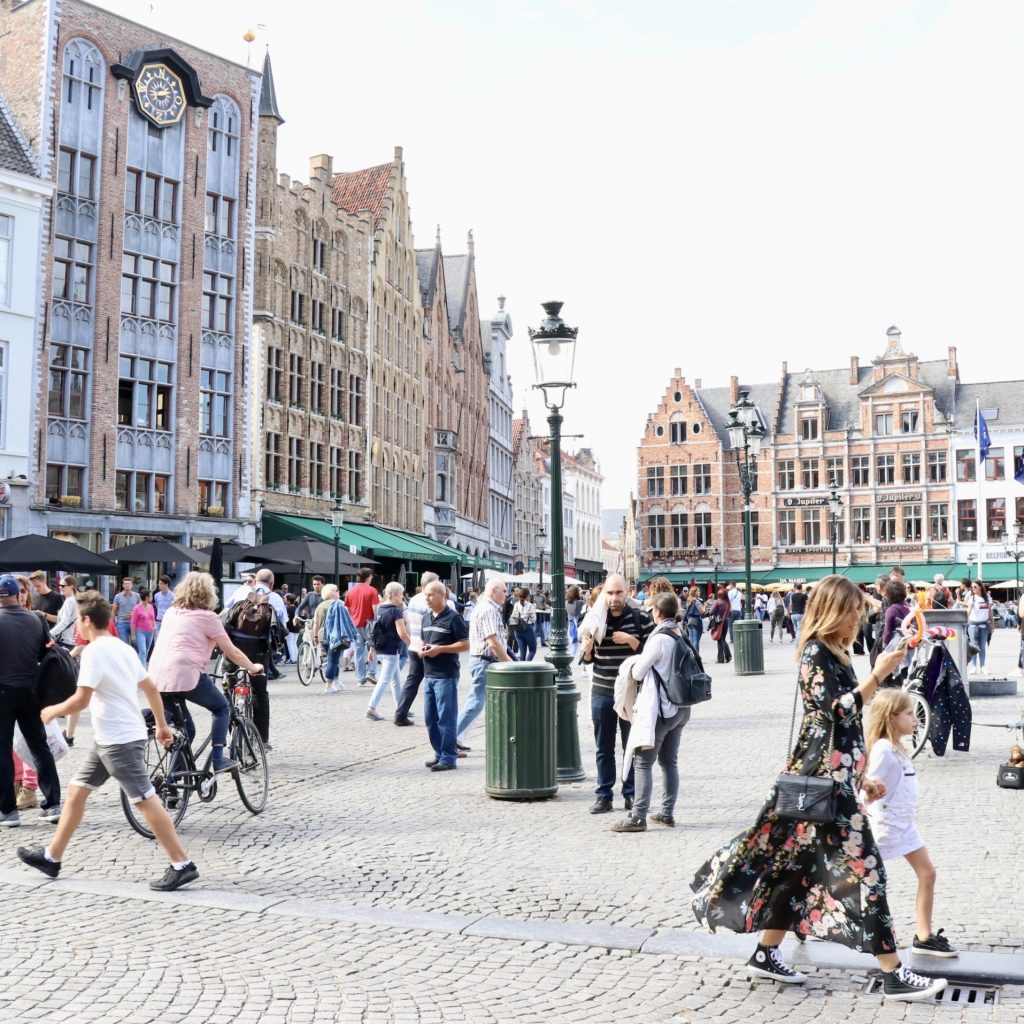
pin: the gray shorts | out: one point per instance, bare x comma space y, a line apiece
125, 763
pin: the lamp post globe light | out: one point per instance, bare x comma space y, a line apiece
554, 358
835, 512
337, 522
746, 434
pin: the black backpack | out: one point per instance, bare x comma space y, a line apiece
687, 683
378, 633
58, 677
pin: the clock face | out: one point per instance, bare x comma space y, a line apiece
159, 93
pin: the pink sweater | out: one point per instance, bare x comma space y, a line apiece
143, 618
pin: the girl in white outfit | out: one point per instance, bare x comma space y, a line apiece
893, 814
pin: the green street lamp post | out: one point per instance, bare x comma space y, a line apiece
746, 434
835, 512
337, 522
1011, 545
542, 538
554, 356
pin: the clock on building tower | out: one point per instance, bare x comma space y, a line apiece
159, 94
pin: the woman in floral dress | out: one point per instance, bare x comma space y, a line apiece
825, 880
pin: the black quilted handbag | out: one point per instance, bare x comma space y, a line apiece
810, 798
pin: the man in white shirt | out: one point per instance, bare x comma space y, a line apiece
735, 604
109, 678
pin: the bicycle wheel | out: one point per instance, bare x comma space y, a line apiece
166, 767
915, 742
252, 776
307, 663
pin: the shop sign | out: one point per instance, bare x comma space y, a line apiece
890, 499
808, 551
802, 502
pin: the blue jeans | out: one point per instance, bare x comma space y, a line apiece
332, 662
526, 641
143, 644
978, 633
797, 619
475, 704
694, 634
606, 725
733, 616
207, 695
364, 670
389, 673
124, 630
543, 627
440, 715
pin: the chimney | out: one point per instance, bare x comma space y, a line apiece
952, 370
697, 383
677, 372
785, 367
322, 167
734, 390
469, 242
854, 370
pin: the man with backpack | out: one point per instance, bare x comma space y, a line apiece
23, 640
939, 595
626, 631
250, 620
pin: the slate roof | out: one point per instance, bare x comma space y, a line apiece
268, 94
843, 398
456, 276
426, 272
13, 152
363, 190
1004, 397
717, 404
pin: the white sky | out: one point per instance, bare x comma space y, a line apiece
717, 185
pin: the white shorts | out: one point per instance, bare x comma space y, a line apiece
895, 844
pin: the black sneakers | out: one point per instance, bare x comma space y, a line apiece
904, 986
36, 858
175, 878
767, 962
663, 819
602, 805
935, 945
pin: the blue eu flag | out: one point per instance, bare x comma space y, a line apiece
984, 440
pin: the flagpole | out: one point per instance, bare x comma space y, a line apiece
981, 499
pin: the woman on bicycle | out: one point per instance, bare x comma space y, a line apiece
188, 634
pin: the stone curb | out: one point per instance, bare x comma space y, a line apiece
973, 968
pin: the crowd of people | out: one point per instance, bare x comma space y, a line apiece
780, 875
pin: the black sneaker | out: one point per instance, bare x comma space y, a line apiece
69, 740
904, 986
935, 945
430, 764
175, 878
442, 767
628, 803
602, 805
36, 858
403, 721
767, 962
630, 824
664, 819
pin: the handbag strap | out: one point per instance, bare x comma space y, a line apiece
827, 757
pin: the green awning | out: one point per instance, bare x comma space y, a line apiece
366, 538
994, 572
791, 574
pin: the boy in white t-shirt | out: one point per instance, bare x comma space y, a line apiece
109, 679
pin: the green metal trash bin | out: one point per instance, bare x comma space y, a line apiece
521, 731
749, 647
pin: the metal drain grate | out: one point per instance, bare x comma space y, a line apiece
955, 995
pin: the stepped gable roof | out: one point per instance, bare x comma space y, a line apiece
14, 155
517, 435
367, 189
843, 398
1004, 397
717, 404
456, 275
268, 94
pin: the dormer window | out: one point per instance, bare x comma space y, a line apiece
808, 428
807, 393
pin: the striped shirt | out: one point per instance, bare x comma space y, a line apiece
486, 621
608, 655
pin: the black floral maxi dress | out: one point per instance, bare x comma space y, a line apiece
824, 880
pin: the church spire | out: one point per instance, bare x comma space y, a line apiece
268, 94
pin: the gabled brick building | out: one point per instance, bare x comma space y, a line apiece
309, 358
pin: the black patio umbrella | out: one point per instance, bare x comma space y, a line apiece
35, 552
311, 554
157, 550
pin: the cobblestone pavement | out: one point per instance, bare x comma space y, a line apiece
355, 818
